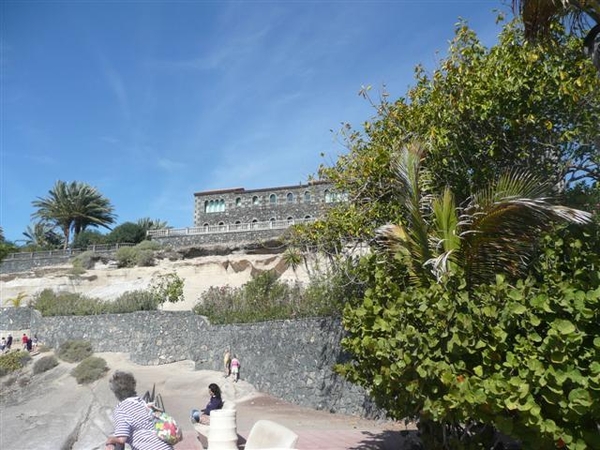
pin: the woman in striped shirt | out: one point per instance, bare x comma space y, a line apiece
132, 418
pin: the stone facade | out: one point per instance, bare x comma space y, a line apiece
238, 205
290, 359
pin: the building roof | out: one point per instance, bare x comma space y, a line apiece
241, 190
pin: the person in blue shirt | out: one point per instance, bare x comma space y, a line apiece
203, 416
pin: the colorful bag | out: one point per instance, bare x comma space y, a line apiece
166, 428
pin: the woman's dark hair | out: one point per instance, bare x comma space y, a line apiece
215, 389
123, 385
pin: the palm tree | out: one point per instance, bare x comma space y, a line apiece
538, 15
494, 233
152, 224
42, 234
74, 207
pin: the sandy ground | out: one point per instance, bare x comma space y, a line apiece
42, 413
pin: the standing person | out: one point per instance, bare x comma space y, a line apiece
9, 340
132, 418
227, 363
24, 340
2, 344
235, 368
215, 402
29, 344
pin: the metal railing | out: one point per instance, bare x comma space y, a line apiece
229, 228
67, 252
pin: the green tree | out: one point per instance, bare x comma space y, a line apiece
41, 235
73, 207
152, 224
440, 279
127, 232
539, 15
481, 112
89, 237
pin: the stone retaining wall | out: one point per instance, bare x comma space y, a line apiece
291, 360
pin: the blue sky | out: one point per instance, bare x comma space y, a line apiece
151, 101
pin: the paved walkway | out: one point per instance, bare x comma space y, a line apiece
317, 430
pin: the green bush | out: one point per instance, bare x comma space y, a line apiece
74, 351
49, 303
44, 364
167, 288
523, 357
266, 298
149, 245
132, 301
85, 260
13, 361
126, 256
90, 369
144, 258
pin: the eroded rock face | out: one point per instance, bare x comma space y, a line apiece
108, 282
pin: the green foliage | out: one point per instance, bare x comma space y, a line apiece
483, 111
89, 370
13, 361
49, 303
148, 245
266, 298
85, 260
6, 248
126, 256
146, 223
521, 357
41, 236
127, 232
44, 364
17, 301
141, 255
132, 301
74, 351
73, 207
88, 238
168, 288
144, 258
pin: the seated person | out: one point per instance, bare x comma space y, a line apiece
215, 402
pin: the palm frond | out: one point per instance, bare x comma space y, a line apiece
500, 226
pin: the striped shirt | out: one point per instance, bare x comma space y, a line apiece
133, 419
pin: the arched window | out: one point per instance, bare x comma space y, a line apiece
255, 200
306, 197
271, 222
238, 202
253, 224
272, 199
290, 220
290, 197
221, 206
306, 217
237, 222
205, 226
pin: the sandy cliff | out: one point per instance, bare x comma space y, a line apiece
107, 282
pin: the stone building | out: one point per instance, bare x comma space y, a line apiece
275, 204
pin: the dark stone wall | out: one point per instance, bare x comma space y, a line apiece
290, 359
296, 202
